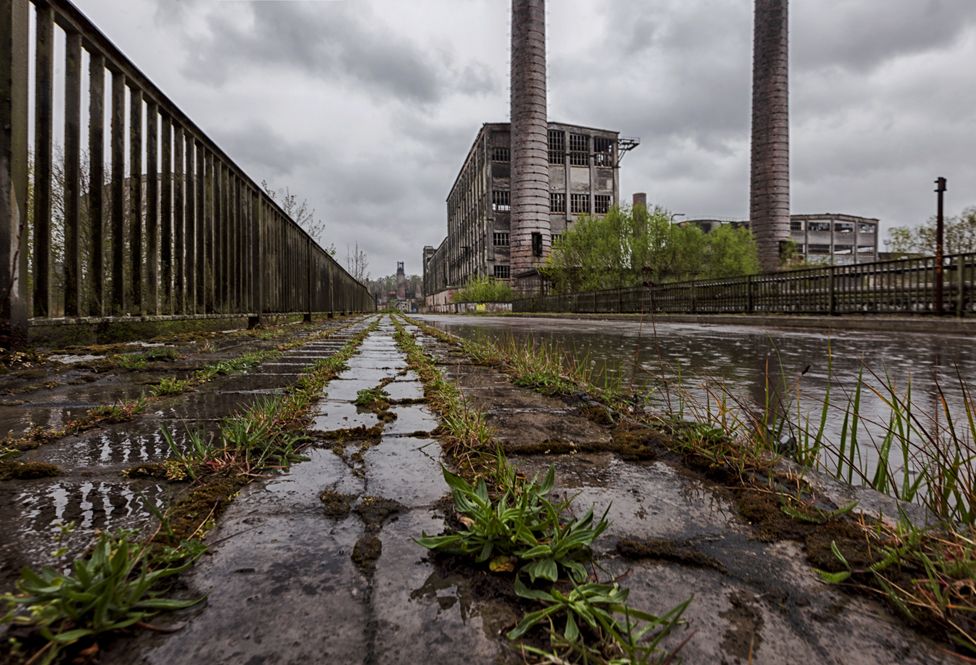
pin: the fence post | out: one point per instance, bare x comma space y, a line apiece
257, 259
13, 171
833, 290
750, 305
960, 262
308, 279
694, 302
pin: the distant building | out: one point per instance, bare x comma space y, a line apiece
828, 238
584, 177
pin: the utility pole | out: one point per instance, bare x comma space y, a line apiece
939, 233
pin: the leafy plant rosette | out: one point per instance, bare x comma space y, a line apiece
602, 610
522, 526
110, 590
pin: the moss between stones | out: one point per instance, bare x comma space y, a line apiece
365, 553
206, 501
336, 504
14, 470
374, 510
153, 470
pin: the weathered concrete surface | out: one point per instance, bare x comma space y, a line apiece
285, 582
294, 578
92, 490
753, 601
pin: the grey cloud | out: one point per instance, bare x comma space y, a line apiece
259, 144
332, 41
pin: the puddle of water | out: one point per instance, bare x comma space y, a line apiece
299, 489
31, 513
345, 390
424, 618
406, 470
331, 415
17, 420
411, 418
119, 445
403, 390
68, 359
210, 405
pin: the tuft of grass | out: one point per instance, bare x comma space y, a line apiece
373, 399
521, 524
115, 587
169, 386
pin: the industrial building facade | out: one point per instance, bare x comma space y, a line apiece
825, 238
584, 179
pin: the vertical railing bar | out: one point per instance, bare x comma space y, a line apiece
135, 200
152, 208
200, 264
118, 193
43, 156
179, 214
96, 177
72, 175
166, 210
191, 258
14, 171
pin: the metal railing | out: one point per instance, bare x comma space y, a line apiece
182, 231
903, 286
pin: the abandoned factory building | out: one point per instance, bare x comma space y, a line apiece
584, 178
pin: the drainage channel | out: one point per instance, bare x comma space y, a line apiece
94, 491
319, 564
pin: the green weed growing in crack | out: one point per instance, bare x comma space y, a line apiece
113, 588
519, 526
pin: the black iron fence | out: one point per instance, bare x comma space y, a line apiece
904, 286
115, 204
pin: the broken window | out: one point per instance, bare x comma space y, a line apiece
579, 203
866, 228
500, 154
796, 226
556, 237
818, 226
500, 200
601, 204
557, 146
602, 151
536, 243
501, 239
579, 150
502, 272
844, 227
557, 202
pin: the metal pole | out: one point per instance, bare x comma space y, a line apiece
939, 254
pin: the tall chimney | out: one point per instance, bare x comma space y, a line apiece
530, 232
640, 200
769, 210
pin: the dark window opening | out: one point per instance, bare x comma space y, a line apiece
556, 237
500, 154
501, 239
601, 204
536, 243
502, 272
500, 200
818, 226
579, 150
557, 146
579, 203
602, 151
796, 226
557, 202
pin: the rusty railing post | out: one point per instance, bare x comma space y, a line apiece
13, 171
939, 248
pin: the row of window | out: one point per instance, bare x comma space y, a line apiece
579, 150
839, 227
578, 203
501, 238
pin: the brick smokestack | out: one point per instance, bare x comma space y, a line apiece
640, 200
530, 232
770, 189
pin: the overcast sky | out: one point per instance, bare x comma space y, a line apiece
368, 107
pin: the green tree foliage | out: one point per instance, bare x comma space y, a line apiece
960, 236
633, 247
485, 289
